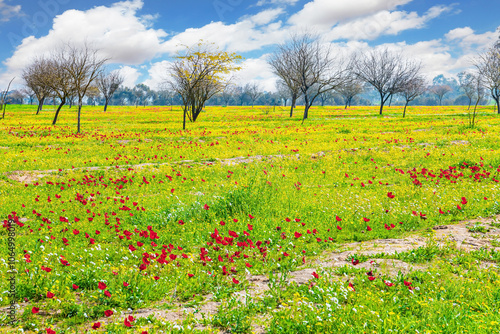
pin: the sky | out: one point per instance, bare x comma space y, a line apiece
141, 36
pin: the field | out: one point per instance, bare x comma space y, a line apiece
250, 221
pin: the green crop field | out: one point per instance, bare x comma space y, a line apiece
251, 221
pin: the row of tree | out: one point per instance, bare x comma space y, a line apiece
308, 70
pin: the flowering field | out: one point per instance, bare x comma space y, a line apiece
248, 220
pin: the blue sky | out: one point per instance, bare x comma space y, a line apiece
142, 35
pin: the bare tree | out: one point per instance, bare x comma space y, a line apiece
479, 93
35, 76
228, 93
385, 71
411, 89
488, 66
3, 98
440, 91
281, 62
108, 84
58, 79
93, 94
30, 93
253, 91
351, 87
466, 80
314, 68
83, 65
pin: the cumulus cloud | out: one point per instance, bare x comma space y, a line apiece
327, 13
7, 11
256, 70
250, 33
130, 75
158, 74
466, 37
384, 23
116, 31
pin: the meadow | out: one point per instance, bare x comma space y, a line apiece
210, 227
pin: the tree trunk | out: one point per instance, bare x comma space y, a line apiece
382, 102
390, 101
40, 106
346, 103
404, 111
57, 111
306, 110
106, 104
292, 105
79, 114
4, 106
184, 119
470, 101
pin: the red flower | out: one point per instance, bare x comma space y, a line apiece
250, 216
127, 323
102, 286
407, 283
464, 201
206, 207
288, 220
131, 248
50, 294
50, 331
371, 278
459, 207
388, 283
142, 267
235, 281
190, 275
298, 235
96, 325
107, 293
248, 265
441, 211
368, 228
354, 261
250, 227
297, 220
339, 228
351, 286
75, 286
366, 219
390, 195
338, 218
35, 310
108, 313
125, 284
315, 274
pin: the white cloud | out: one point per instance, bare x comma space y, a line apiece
130, 75
384, 23
466, 38
158, 74
327, 13
115, 30
256, 70
8, 11
250, 33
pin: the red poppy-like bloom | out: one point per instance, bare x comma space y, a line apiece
102, 286
315, 274
35, 310
108, 313
96, 325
